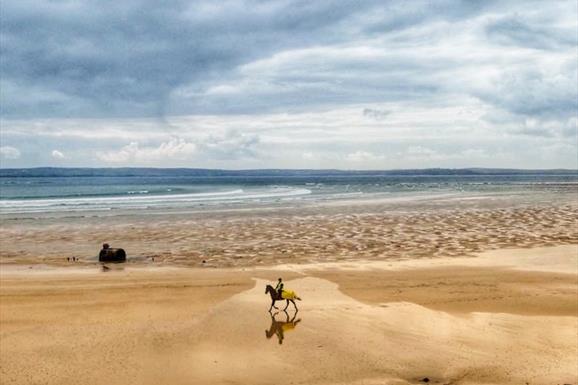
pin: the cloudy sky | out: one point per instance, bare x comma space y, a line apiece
289, 83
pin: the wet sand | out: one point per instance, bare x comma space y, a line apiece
322, 235
489, 319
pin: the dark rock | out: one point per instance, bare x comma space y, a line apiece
112, 255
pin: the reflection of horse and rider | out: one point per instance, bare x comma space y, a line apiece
279, 328
279, 294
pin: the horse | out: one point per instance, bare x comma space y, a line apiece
279, 328
291, 295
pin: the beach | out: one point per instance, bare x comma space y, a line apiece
442, 290
371, 325
290, 192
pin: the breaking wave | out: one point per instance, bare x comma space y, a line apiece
143, 200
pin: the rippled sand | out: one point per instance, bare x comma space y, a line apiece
322, 236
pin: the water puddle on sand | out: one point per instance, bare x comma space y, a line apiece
334, 339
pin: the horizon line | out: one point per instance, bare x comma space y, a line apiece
285, 169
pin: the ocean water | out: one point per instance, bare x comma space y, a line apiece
79, 195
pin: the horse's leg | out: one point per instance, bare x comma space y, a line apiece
293, 302
286, 306
272, 305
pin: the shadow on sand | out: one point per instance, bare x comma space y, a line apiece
279, 328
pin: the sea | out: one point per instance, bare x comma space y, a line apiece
82, 195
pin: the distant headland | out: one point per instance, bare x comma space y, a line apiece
203, 172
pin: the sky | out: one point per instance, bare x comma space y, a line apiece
243, 84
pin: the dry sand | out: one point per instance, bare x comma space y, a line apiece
484, 320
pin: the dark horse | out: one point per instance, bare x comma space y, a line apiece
276, 297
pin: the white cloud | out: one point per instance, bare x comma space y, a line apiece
310, 156
134, 153
473, 154
363, 157
325, 138
57, 155
9, 152
420, 152
230, 145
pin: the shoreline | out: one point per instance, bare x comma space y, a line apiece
363, 202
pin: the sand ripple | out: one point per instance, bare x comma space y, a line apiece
262, 240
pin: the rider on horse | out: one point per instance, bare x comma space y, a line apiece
279, 288
279, 294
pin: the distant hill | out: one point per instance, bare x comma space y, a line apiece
200, 172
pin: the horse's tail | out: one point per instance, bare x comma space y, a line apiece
297, 298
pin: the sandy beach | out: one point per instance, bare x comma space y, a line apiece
459, 323
406, 170
468, 295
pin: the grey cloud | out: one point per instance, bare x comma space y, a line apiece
549, 130
398, 15
535, 93
514, 31
534, 131
111, 58
375, 113
322, 77
125, 59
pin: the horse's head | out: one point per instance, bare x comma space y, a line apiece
269, 288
